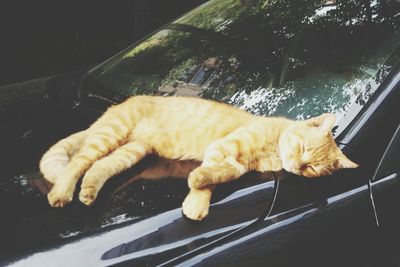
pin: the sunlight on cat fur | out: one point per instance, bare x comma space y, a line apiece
228, 141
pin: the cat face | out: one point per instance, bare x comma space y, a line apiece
308, 148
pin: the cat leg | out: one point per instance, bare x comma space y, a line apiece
95, 147
223, 161
197, 202
54, 161
219, 165
215, 174
119, 160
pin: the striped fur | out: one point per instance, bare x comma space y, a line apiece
228, 141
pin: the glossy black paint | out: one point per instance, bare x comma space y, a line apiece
385, 188
313, 235
159, 238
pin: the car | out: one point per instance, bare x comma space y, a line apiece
296, 59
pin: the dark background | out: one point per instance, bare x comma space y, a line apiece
40, 38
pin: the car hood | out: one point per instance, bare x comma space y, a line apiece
146, 239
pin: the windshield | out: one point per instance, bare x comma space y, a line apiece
292, 58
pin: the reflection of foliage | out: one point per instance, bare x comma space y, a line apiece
211, 15
297, 99
290, 48
261, 44
153, 41
176, 73
375, 81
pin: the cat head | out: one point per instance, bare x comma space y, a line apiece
307, 148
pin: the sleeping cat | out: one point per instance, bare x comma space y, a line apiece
228, 141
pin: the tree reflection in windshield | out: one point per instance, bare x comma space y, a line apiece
291, 58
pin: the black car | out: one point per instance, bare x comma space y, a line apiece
287, 58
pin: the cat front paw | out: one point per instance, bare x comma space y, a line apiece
276, 166
59, 198
196, 205
88, 195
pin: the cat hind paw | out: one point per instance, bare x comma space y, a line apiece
58, 199
88, 195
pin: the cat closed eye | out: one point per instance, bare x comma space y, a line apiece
307, 167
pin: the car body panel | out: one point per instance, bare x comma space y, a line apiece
312, 234
158, 238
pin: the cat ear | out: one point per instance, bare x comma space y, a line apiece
325, 121
344, 163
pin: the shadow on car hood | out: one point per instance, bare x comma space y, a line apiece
137, 216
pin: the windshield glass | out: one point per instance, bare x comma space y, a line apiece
292, 58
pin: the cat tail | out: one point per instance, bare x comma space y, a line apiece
54, 161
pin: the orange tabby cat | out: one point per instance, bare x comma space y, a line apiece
228, 141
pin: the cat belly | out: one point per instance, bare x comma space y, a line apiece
185, 130
177, 149
169, 145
